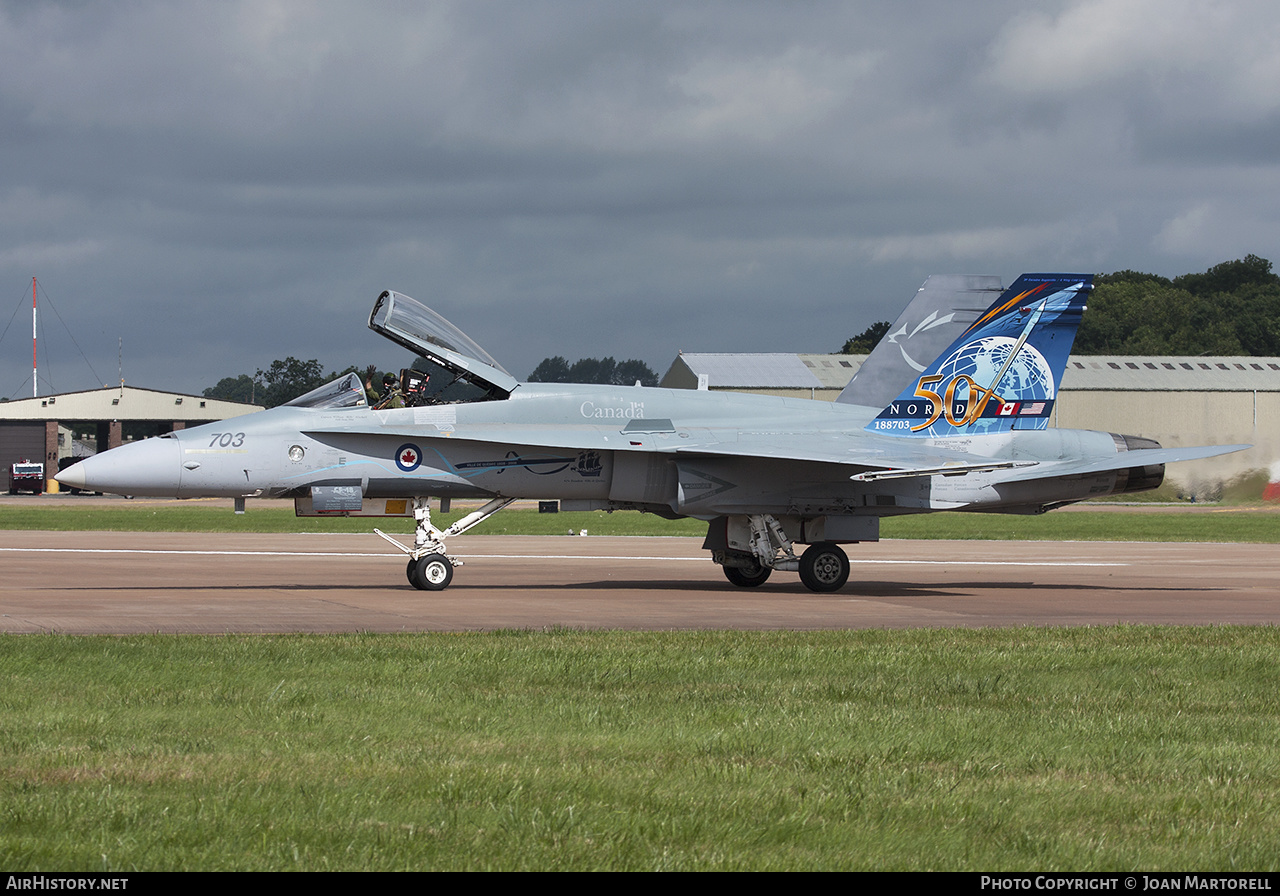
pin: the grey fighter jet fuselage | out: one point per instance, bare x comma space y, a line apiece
968, 434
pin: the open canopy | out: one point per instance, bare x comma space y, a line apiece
421, 330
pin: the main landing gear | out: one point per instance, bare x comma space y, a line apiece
430, 568
823, 567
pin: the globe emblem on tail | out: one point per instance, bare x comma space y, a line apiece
1028, 377
984, 383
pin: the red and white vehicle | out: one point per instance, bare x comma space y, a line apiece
27, 477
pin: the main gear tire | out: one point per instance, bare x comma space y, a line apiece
824, 567
747, 576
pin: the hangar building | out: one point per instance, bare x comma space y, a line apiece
43, 428
821, 377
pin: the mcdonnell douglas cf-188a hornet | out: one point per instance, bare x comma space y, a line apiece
966, 432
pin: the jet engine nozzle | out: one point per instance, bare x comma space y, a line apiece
1142, 478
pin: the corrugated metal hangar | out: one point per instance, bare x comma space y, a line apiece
44, 428
1176, 401
770, 373
1180, 402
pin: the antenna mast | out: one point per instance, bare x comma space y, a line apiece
35, 388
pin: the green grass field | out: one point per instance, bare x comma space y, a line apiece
1228, 524
1058, 749
1003, 749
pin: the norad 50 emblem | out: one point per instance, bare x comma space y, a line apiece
984, 380
1002, 374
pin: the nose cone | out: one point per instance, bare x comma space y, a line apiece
149, 467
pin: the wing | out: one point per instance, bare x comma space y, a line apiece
867, 456
860, 450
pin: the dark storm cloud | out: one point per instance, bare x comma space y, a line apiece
224, 184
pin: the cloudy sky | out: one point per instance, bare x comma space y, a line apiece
221, 184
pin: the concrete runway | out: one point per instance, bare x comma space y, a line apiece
127, 582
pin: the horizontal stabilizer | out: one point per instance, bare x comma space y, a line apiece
1138, 457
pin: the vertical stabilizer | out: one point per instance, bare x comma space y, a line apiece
942, 309
1002, 373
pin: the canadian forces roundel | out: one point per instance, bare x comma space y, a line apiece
408, 457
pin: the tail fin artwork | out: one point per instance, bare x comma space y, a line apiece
1002, 373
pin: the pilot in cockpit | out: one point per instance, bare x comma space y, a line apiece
390, 396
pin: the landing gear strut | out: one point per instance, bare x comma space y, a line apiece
770, 549
430, 568
823, 567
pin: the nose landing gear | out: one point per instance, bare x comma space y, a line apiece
430, 568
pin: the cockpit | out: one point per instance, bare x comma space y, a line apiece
450, 369
456, 369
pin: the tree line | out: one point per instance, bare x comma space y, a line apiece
282, 382
286, 379
1233, 308
602, 371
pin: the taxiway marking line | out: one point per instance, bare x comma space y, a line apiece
473, 556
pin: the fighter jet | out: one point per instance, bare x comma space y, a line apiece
965, 431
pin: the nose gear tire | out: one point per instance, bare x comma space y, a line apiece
433, 572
